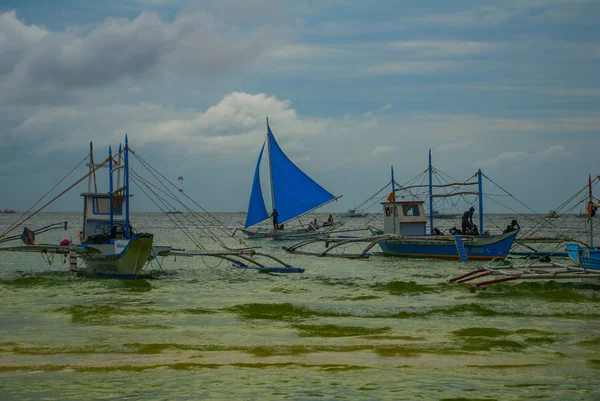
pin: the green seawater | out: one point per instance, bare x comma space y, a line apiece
378, 329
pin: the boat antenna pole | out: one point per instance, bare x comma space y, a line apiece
119, 161
110, 189
591, 199
480, 186
269, 134
430, 195
393, 200
126, 179
91, 166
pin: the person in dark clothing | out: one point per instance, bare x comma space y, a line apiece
467, 220
275, 217
511, 227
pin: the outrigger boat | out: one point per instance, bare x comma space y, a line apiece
108, 245
293, 194
408, 221
587, 257
584, 261
405, 232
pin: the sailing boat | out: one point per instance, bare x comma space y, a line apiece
293, 194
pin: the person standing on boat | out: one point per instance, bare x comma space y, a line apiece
275, 217
467, 220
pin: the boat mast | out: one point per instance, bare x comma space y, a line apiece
430, 195
110, 189
270, 166
591, 199
480, 186
126, 179
393, 201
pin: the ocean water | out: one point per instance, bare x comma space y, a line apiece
378, 329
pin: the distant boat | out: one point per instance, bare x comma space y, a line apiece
293, 194
552, 214
445, 216
353, 213
8, 211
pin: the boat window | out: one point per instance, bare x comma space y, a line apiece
102, 205
410, 210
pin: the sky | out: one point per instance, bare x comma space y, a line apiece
350, 88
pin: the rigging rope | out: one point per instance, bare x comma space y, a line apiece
22, 219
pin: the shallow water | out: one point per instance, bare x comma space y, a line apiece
379, 329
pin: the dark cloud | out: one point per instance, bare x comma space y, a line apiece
41, 66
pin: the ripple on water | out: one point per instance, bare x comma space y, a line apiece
331, 330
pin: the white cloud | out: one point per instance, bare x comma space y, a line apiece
382, 150
411, 67
554, 153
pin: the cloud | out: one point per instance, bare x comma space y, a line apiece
441, 48
41, 66
411, 67
553, 153
382, 150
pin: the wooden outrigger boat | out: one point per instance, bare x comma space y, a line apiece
107, 243
584, 263
587, 257
405, 232
488, 275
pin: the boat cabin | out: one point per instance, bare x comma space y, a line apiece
404, 217
96, 216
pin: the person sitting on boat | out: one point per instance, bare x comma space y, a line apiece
313, 225
511, 227
275, 217
330, 219
467, 220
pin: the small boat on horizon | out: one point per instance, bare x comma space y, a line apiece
352, 213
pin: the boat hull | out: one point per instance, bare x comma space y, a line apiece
282, 234
444, 247
585, 257
123, 259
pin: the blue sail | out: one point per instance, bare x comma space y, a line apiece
256, 208
294, 192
